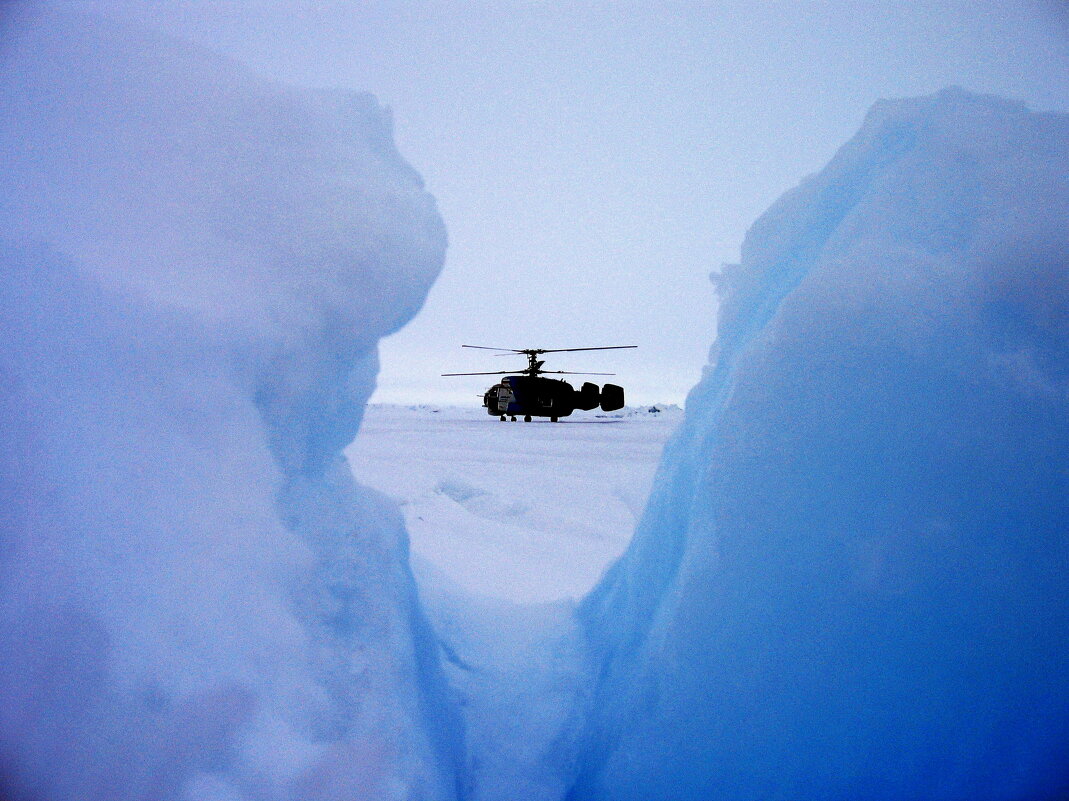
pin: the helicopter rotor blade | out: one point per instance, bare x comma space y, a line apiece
549, 350
534, 368
607, 347
497, 372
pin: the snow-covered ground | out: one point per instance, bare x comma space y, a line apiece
528, 512
510, 523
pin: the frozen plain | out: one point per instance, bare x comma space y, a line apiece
510, 524
524, 512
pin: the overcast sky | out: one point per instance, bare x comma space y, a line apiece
595, 161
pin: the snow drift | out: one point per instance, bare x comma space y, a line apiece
196, 601
850, 579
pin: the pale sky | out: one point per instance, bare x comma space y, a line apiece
595, 161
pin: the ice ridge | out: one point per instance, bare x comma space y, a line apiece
851, 553
197, 600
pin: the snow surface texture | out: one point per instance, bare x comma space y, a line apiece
196, 600
850, 579
529, 513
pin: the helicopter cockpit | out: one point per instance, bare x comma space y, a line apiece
497, 399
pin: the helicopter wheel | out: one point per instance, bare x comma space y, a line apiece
502, 418
553, 419
514, 418
527, 418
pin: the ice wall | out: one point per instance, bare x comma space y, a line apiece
196, 601
850, 579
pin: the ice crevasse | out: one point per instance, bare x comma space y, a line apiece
850, 578
196, 600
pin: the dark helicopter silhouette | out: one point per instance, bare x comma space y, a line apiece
526, 392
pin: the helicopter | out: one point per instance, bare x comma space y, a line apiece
526, 392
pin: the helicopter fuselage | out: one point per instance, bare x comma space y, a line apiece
534, 396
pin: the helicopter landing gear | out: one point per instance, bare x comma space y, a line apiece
527, 418
513, 418
502, 418
553, 419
